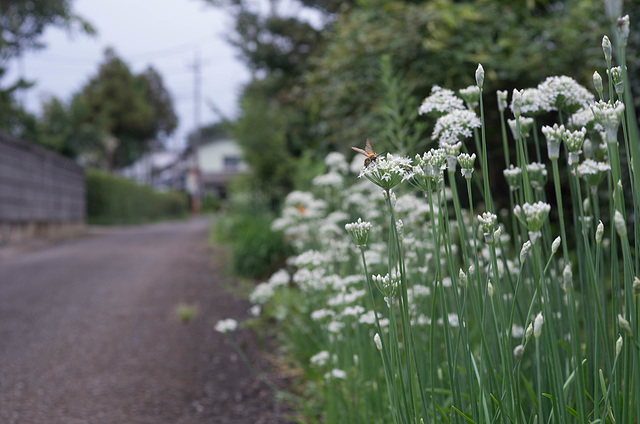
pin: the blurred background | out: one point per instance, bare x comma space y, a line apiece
184, 102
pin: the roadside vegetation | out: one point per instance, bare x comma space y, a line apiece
114, 200
489, 276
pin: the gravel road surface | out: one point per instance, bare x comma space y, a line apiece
89, 333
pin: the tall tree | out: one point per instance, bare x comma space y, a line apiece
158, 97
134, 109
22, 23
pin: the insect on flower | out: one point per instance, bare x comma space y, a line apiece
368, 152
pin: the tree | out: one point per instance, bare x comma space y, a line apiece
157, 96
22, 23
442, 43
134, 109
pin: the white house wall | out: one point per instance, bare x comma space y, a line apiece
211, 156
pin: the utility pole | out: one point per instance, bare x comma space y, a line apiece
197, 91
193, 175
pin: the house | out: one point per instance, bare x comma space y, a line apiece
161, 169
218, 159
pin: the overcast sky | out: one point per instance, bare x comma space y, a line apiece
167, 34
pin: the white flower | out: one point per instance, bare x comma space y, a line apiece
487, 221
387, 171
564, 93
337, 374
261, 294
335, 326
502, 99
352, 311
336, 162
330, 179
456, 125
440, 102
319, 359
255, 310
321, 314
359, 232
517, 331
583, 118
225, 326
609, 117
279, 278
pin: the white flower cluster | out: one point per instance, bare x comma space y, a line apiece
593, 172
359, 232
308, 259
471, 95
533, 216
261, 293
609, 117
526, 124
533, 102
584, 118
225, 326
554, 93
387, 171
537, 173
565, 94
336, 162
320, 359
440, 102
300, 209
455, 125
330, 179
487, 221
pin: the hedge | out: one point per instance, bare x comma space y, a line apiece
116, 200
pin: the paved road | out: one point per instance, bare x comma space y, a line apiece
89, 334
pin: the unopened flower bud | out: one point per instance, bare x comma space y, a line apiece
518, 352
464, 280
636, 286
537, 325
597, 83
606, 48
480, 76
497, 233
529, 332
567, 278
377, 341
619, 345
625, 326
621, 226
517, 102
490, 289
599, 232
526, 247
555, 245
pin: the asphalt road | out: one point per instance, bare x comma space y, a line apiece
89, 333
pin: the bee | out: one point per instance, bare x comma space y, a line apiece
368, 152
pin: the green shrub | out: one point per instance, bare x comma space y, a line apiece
245, 226
116, 200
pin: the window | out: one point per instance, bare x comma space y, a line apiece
231, 163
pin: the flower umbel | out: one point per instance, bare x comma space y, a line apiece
225, 326
387, 171
609, 116
440, 102
359, 232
